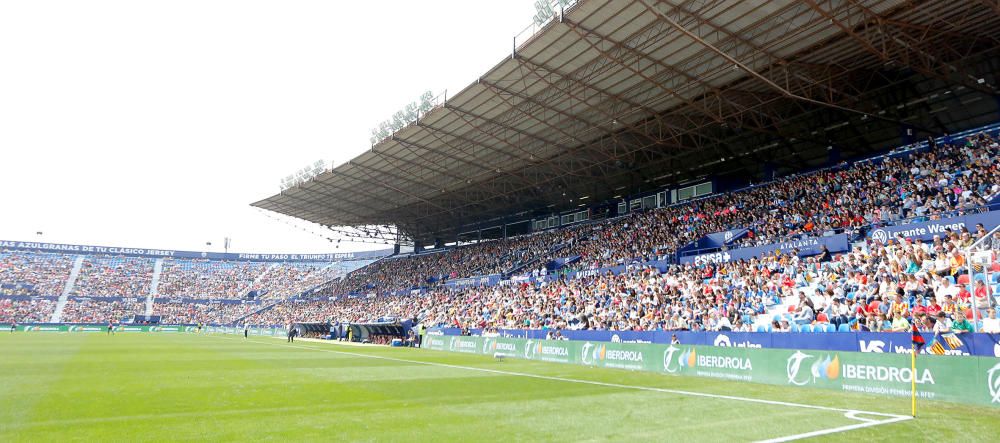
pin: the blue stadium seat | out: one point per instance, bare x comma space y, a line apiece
978, 277
801, 328
831, 328
950, 279
761, 328
844, 327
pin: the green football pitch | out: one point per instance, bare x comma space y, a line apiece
160, 387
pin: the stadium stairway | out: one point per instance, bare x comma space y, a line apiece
307, 291
324, 283
154, 286
530, 264
67, 289
237, 320
256, 280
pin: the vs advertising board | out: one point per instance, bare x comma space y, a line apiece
963, 379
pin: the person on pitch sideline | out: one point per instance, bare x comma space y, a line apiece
246, 331
13, 327
111, 328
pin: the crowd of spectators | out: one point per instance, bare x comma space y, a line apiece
347, 309
114, 276
640, 299
405, 272
31, 273
37, 310
204, 279
96, 310
288, 279
865, 288
526, 250
886, 287
201, 313
941, 181
875, 288
430, 268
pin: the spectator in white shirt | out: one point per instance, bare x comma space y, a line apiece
942, 325
991, 324
723, 323
944, 290
838, 312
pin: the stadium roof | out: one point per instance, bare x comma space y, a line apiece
618, 97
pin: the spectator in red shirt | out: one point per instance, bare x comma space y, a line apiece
963, 293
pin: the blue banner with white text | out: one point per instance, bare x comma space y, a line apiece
482, 280
58, 248
926, 230
806, 247
718, 239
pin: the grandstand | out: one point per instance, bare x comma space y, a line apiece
33, 274
114, 276
791, 193
625, 137
101, 284
199, 279
584, 182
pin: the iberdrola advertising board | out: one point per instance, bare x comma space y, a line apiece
963, 379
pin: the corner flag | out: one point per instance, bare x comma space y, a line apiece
918, 340
918, 343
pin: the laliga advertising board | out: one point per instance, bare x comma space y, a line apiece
963, 379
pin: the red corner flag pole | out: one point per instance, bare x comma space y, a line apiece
917, 343
913, 381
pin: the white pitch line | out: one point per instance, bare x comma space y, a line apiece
854, 415
849, 413
820, 432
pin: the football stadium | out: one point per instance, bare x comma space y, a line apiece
651, 220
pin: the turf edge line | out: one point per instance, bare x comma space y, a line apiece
849, 413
